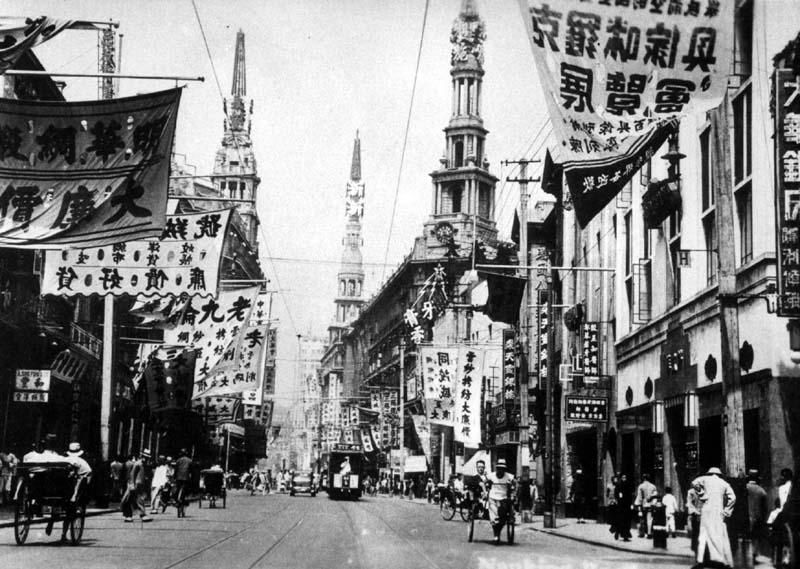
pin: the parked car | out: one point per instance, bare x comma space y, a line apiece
303, 482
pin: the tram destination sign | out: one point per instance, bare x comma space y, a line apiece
586, 409
347, 447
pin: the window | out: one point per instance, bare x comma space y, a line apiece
744, 211
484, 205
674, 235
458, 150
455, 195
628, 244
742, 128
705, 169
710, 234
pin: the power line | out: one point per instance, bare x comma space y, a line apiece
405, 138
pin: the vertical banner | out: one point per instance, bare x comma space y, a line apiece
787, 187
616, 75
510, 388
169, 381
423, 429
591, 351
366, 440
439, 370
85, 174
467, 424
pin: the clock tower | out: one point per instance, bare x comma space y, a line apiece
235, 174
350, 292
463, 189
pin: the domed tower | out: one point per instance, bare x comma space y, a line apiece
463, 188
350, 291
235, 174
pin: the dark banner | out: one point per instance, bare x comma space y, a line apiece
505, 296
85, 174
169, 382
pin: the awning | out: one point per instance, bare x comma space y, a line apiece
416, 464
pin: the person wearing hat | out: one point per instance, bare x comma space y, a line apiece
501, 493
83, 473
757, 512
716, 504
44, 451
136, 492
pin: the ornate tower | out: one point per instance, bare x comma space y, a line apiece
235, 174
349, 296
463, 188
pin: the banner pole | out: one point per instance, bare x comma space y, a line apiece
106, 392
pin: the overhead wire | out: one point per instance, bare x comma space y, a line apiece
405, 137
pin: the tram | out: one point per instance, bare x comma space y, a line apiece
345, 471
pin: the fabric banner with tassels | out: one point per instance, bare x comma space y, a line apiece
85, 174
21, 34
216, 329
184, 260
615, 75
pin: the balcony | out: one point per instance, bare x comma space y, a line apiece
87, 342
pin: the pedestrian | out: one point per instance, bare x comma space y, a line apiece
429, 489
136, 489
611, 504
578, 495
624, 508
8, 469
693, 514
716, 504
757, 512
645, 493
183, 475
670, 507
82, 473
502, 487
116, 473
160, 479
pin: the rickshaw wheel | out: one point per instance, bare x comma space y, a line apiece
76, 525
786, 549
23, 514
448, 509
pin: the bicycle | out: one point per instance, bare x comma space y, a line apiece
449, 503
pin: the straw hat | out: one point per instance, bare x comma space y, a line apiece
74, 449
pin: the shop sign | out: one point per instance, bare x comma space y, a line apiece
509, 366
787, 159
31, 396
33, 380
591, 351
347, 447
587, 409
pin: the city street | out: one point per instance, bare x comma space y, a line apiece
302, 532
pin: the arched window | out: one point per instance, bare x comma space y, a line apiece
358, 288
341, 287
351, 288
458, 153
455, 196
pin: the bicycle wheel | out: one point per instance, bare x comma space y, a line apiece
23, 514
76, 525
448, 509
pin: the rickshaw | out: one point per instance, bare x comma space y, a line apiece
480, 511
45, 490
212, 487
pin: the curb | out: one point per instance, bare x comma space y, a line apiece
611, 545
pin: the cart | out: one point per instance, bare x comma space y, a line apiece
479, 511
212, 488
44, 490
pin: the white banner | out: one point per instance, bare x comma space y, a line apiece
439, 370
614, 71
216, 329
185, 260
423, 429
467, 424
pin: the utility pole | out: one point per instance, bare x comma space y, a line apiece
524, 320
402, 398
728, 303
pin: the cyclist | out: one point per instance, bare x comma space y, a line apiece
502, 488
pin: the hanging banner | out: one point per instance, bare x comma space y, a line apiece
423, 429
21, 34
169, 383
429, 304
215, 328
366, 440
85, 174
248, 373
467, 420
787, 187
614, 72
184, 260
217, 409
510, 388
439, 369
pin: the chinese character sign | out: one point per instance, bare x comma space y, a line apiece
613, 72
85, 174
589, 409
591, 350
440, 372
430, 302
469, 382
185, 259
216, 329
787, 186
169, 382
509, 366
217, 409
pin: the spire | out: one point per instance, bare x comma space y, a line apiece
467, 37
355, 169
239, 86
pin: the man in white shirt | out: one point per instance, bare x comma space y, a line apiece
82, 472
670, 507
160, 479
501, 494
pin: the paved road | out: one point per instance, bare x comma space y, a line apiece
280, 532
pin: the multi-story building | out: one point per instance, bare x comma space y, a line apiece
656, 322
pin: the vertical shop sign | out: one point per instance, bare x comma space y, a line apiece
509, 367
591, 351
440, 369
467, 420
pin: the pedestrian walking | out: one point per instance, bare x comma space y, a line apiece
693, 515
116, 472
160, 478
578, 495
136, 490
429, 489
611, 505
624, 508
670, 504
645, 493
716, 504
8, 469
502, 490
757, 512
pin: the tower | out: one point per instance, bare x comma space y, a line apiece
235, 173
349, 296
463, 188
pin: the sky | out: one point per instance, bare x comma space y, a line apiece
318, 70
